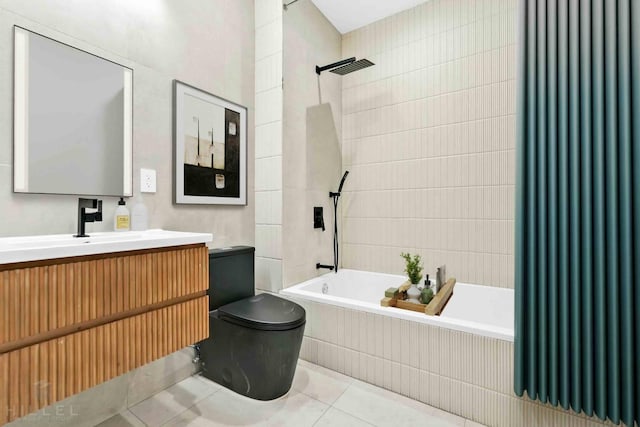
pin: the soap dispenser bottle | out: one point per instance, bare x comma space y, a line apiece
121, 218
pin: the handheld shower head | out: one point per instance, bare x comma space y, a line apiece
336, 195
342, 181
336, 243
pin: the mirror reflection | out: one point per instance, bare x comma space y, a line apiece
72, 120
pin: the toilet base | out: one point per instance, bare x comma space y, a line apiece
259, 364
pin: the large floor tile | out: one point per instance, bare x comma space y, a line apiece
159, 375
337, 418
226, 408
319, 397
88, 408
171, 402
384, 408
123, 419
320, 383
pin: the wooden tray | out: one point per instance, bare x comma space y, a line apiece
435, 306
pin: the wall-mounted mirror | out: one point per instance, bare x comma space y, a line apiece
72, 117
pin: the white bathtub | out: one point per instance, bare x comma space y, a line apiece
480, 310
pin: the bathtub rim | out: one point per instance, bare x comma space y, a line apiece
475, 328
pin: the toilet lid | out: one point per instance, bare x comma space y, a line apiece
264, 312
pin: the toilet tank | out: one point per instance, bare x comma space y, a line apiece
231, 275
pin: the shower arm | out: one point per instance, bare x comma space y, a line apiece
335, 65
285, 6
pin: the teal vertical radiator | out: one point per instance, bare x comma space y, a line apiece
578, 206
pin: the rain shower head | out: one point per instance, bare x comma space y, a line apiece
345, 66
354, 66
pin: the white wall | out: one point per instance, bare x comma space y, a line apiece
312, 159
429, 138
206, 43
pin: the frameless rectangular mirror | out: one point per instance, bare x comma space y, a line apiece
72, 115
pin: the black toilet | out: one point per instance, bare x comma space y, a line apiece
254, 341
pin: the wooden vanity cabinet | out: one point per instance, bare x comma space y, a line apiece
68, 324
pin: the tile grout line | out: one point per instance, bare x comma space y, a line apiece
437, 95
344, 391
329, 405
177, 415
287, 394
453, 379
432, 249
342, 394
136, 417
413, 367
432, 409
359, 85
408, 130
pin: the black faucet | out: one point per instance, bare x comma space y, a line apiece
84, 217
328, 267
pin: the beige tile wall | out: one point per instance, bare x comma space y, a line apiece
468, 375
428, 135
268, 174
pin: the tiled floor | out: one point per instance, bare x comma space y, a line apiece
319, 397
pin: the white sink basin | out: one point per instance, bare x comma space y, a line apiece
57, 240
32, 248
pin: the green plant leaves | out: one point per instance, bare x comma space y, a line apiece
413, 267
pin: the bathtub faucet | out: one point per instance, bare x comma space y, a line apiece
328, 267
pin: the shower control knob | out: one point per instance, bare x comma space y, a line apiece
318, 217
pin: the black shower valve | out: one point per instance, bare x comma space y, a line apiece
318, 217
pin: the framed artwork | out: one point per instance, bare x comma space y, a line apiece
210, 140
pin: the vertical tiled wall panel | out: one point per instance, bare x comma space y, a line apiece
268, 145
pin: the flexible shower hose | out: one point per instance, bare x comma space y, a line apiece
336, 245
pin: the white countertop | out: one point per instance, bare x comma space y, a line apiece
34, 248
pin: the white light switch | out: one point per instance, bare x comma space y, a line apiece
147, 180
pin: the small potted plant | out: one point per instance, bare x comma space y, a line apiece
413, 268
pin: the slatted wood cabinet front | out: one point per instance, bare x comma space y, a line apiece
69, 324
